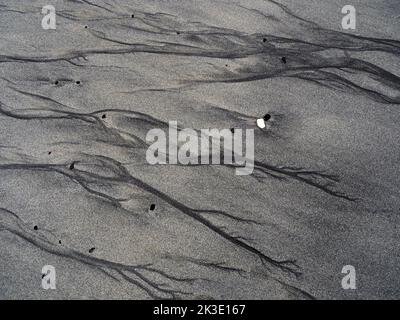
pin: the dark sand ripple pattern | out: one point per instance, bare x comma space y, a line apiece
77, 102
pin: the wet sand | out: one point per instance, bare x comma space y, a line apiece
77, 102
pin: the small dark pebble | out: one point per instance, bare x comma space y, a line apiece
264, 40
56, 83
49, 152
283, 59
43, 275
78, 82
133, 16
152, 206
103, 116
59, 241
86, 27
267, 117
72, 166
91, 250
35, 227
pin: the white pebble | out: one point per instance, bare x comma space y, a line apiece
261, 123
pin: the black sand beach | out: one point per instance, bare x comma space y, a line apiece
77, 193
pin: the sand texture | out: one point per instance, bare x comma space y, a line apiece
77, 102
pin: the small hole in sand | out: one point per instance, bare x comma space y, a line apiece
264, 40
56, 83
78, 82
59, 241
91, 250
152, 206
35, 227
72, 166
232, 130
103, 116
178, 32
86, 27
267, 117
49, 152
133, 16
283, 59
